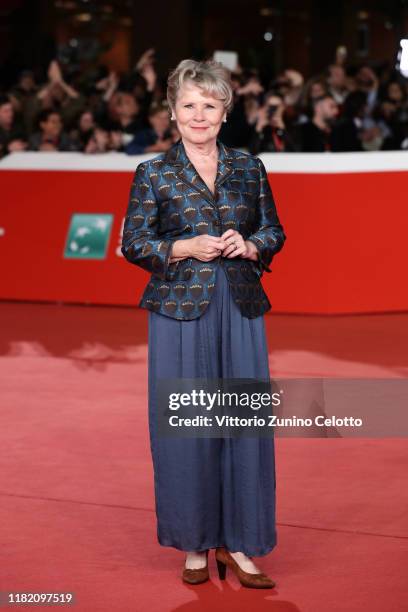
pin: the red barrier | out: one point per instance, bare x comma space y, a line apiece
344, 216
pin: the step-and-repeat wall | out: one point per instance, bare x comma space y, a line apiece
345, 216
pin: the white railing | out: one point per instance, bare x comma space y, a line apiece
291, 163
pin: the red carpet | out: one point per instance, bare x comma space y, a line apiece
77, 507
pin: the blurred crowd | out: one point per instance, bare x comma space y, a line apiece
342, 109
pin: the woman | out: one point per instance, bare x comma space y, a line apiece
84, 130
201, 218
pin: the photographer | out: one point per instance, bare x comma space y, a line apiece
270, 133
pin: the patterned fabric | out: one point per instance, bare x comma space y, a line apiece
169, 201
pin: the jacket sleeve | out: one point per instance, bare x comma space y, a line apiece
141, 244
269, 236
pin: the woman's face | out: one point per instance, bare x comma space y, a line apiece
160, 121
395, 92
86, 122
6, 115
317, 90
198, 115
52, 127
127, 105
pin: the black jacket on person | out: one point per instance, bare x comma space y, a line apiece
236, 131
345, 136
16, 132
263, 142
169, 201
312, 139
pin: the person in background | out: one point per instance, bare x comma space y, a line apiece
120, 103
314, 88
84, 130
236, 132
396, 94
336, 83
270, 133
157, 137
102, 91
371, 132
56, 95
99, 142
145, 81
367, 82
317, 89
124, 118
391, 116
348, 132
124, 103
289, 85
12, 133
315, 135
50, 135
26, 84
23, 92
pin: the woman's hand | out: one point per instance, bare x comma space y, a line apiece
204, 247
237, 246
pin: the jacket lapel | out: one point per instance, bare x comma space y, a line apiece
225, 167
187, 173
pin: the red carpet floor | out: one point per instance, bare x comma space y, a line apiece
77, 506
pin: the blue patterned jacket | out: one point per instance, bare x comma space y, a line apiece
169, 201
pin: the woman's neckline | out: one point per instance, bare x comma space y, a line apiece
216, 158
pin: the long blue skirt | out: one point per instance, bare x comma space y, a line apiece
211, 492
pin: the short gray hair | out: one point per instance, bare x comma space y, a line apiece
209, 75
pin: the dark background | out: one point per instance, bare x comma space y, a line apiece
114, 33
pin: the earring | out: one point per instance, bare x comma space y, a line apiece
224, 120
172, 118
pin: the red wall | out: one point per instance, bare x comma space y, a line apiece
346, 248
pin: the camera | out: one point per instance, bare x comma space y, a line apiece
272, 108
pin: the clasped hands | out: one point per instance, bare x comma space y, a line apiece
205, 247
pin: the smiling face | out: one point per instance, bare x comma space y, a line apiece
199, 115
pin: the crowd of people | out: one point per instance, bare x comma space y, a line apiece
342, 109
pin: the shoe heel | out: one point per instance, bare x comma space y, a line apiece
222, 569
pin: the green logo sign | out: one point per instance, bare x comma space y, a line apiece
88, 236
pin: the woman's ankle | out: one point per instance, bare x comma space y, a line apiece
244, 562
196, 559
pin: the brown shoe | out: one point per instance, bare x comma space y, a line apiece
196, 576
254, 581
